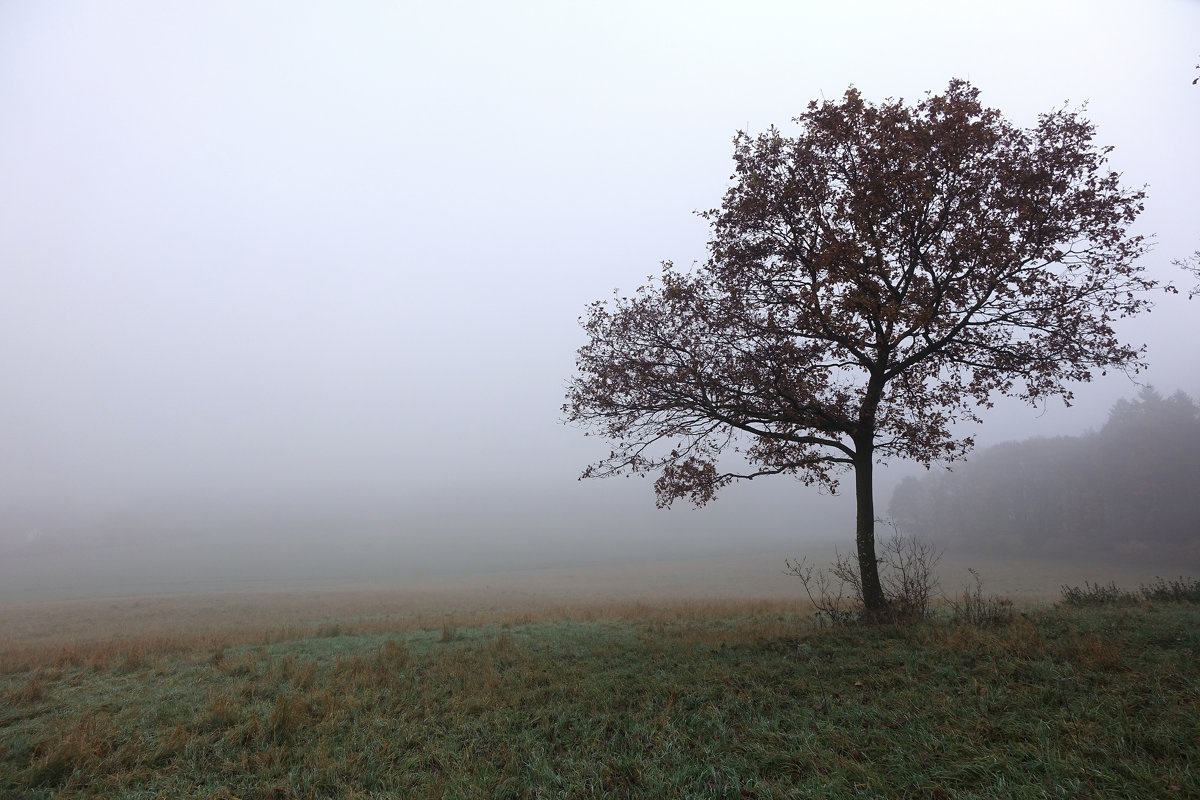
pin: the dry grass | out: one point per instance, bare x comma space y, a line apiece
732, 699
137, 632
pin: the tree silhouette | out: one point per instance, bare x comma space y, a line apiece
871, 281
1125, 491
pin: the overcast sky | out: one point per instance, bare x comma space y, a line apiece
291, 254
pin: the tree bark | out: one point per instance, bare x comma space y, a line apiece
874, 602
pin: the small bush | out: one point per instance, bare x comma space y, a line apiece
1180, 590
827, 590
906, 572
1095, 594
975, 608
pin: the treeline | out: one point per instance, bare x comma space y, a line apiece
1128, 491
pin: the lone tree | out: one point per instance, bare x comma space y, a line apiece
871, 281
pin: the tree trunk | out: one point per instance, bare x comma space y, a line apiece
874, 602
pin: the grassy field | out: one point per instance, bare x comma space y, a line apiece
737, 699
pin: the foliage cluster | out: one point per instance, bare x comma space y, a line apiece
1126, 491
1093, 702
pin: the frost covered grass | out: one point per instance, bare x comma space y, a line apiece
725, 700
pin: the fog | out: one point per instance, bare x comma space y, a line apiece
291, 290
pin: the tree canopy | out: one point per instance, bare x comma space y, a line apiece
871, 281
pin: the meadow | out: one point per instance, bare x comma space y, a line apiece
374, 695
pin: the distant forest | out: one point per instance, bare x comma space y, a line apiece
1128, 491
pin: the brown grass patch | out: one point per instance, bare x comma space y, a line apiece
133, 634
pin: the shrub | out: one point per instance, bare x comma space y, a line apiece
827, 589
1095, 594
906, 571
1180, 590
975, 608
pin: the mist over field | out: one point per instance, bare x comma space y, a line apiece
289, 294
447, 537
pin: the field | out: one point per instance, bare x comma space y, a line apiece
387, 694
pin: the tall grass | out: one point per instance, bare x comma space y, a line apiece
1179, 590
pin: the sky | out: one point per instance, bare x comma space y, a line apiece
318, 267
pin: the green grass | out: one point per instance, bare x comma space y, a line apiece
1100, 702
